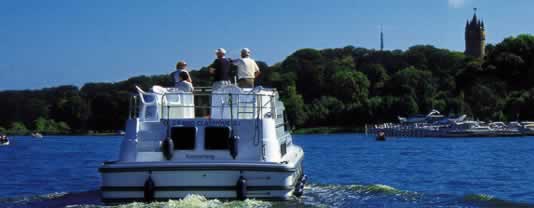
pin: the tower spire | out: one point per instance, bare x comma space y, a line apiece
381, 38
475, 36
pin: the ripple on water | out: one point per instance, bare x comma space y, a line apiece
376, 195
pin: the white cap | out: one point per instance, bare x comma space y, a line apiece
220, 50
245, 50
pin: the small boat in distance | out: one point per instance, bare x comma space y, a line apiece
231, 143
37, 135
4, 140
381, 136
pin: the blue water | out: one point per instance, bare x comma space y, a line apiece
345, 170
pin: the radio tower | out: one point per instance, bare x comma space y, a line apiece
381, 38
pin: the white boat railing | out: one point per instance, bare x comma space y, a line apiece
227, 103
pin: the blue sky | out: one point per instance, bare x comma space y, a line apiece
59, 42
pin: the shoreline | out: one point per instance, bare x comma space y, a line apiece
307, 130
328, 130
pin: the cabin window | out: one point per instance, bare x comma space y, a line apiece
216, 138
283, 148
183, 137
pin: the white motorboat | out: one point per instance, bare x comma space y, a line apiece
37, 135
4, 140
228, 144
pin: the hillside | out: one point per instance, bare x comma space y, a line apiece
331, 87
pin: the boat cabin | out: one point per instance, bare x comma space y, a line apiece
204, 124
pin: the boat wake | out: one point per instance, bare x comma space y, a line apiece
60, 199
490, 201
316, 195
27, 199
189, 201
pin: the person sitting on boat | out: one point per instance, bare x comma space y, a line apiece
180, 67
183, 84
220, 69
247, 69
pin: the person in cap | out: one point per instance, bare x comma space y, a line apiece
180, 67
183, 84
220, 69
247, 69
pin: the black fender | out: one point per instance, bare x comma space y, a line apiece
241, 188
234, 146
167, 148
149, 190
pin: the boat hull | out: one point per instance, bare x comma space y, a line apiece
124, 182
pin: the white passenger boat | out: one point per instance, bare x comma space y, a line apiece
228, 144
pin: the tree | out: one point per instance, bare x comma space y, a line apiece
513, 60
18, 128
325, 111
407, 105
350, 86
41, 125
414, 84
377, 76
484, 102
63, 127
307, 63
294, 105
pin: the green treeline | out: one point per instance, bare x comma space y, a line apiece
331, 87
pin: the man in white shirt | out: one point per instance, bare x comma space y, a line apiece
180, 67
247, 69
183, 84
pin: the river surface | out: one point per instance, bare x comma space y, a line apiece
345, 170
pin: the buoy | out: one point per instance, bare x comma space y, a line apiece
234, 146
149, 189
241, 188
167, 147
381, 136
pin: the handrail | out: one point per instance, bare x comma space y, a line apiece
256, 107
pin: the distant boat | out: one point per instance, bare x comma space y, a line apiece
37, 135
436, 125
431, 117
381, 136
4, 140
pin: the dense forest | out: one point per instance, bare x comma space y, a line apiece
331, 87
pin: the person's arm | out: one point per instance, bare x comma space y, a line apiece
236, 62
211, 68
189, 75
192, 88
257, 71
174, 80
